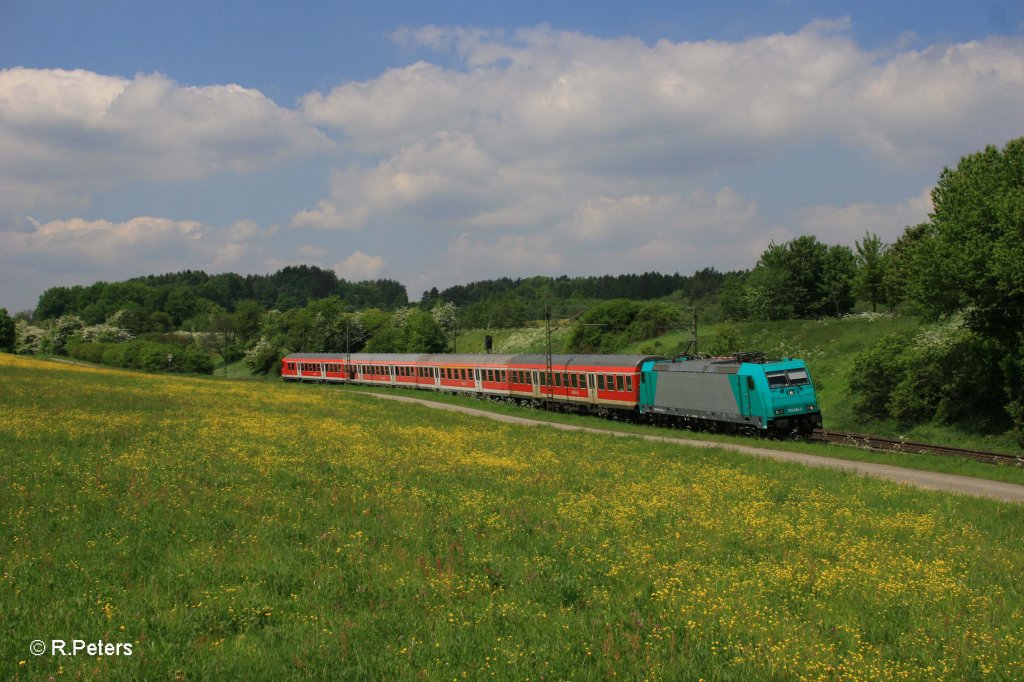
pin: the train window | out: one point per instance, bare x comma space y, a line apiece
529, 378
558, 379
797, 377
776, 379
619, 384
629, 384
600, 382
750, 383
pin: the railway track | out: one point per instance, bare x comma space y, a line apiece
878, 444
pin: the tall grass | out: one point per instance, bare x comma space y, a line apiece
265, 531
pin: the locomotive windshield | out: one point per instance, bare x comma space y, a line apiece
793, 377
797, 377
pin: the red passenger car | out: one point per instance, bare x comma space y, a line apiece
585, 383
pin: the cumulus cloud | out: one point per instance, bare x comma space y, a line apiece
79, 251
536, 151
359, 266
77, 131
136, 246
602, 104
616, 146
843, 224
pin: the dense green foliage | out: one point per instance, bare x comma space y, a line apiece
7, 333
967, 261
150, 356
933, 375
158, 301
507, 303
608, 326
802, 278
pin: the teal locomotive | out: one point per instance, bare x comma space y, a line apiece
744, 393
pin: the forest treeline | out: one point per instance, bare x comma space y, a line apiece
962, 272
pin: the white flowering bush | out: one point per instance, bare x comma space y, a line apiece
262, 356
28, 339
869, 316
105, 333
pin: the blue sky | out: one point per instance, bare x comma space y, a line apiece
438, 143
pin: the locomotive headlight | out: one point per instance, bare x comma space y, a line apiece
780, 411
810, 408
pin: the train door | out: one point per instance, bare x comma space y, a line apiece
437, 377
592, 388
536, 383
476, 378
746, 388
391, 374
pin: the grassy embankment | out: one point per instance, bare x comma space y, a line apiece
262, 531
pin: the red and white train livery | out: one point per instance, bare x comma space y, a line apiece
593, 383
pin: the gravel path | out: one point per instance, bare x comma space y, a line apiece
930, 480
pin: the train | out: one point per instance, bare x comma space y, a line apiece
745, 393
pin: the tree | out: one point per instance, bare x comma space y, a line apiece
248, 318
838, 274
871, 264
7, 334
787, 281
898, 261
971, 258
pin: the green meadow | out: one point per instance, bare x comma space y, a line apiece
256, 530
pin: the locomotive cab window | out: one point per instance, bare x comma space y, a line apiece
776, 379
797, 377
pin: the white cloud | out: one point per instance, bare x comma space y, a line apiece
605, 104
359, 266
539, 151
589, 154
79, 251
74, 132
846, 224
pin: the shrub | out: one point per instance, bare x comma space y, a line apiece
146, 355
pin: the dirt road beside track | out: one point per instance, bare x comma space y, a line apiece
929, 480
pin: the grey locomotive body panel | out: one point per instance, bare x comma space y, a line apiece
700, 395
